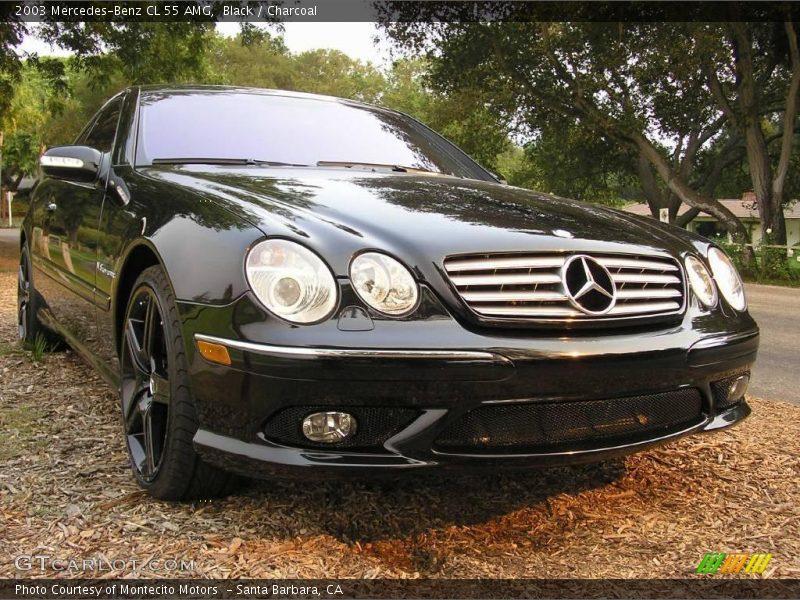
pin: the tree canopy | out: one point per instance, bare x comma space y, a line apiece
672, 113
41, 113
649, 90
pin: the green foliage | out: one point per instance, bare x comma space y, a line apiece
333, 73
575, 162
265, 62
464, 117
20, 151
772, 265
46, 115
608, 109
23, 122
39, 348
46, 101
512, 165
12, 31
56, 97
41, 114
74, 111
565, 107
141, 52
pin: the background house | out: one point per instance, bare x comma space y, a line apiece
744, 209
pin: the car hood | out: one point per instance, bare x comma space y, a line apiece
419, 218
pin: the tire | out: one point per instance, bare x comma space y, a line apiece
28, 303
158, 414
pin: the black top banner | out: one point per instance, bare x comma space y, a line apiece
262, 11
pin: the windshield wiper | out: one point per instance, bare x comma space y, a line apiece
374, 166
223, 161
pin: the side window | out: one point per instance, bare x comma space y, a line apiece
101, 135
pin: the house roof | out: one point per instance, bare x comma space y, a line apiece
742, 209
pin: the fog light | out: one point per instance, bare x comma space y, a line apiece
329, 427
738, 387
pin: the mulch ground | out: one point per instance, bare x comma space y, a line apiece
66, 492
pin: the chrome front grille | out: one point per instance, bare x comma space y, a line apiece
530, 286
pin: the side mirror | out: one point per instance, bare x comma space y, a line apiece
74, 163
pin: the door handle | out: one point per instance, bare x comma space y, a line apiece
52, 206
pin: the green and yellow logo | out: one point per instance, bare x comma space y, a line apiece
719, 562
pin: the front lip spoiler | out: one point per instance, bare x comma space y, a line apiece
307, 352
268, 459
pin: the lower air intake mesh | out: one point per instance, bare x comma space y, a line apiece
551, 426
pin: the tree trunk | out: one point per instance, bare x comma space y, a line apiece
687, 217
653, 195
695, 199
773, 227
686, 194
674, 182
656, 198
790, 117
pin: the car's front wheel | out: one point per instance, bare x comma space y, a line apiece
158, 413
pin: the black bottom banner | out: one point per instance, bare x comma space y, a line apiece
399, 588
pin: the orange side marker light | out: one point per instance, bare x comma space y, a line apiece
215, 353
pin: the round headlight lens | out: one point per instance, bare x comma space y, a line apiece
700, 280
291, 281
384, 283
727, 278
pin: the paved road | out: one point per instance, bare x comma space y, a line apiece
777, 311
8, 234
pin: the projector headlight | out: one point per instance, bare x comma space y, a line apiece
700, 280
384, 283
291, 281
727, 278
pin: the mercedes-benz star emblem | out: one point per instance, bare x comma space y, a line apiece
588, 285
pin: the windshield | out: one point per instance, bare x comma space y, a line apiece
266, 128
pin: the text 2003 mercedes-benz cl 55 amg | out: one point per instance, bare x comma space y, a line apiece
279, 281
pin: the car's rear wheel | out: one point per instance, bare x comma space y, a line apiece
158, 413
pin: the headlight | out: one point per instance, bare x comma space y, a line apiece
384, 283
291, 281
700, 280
727, 278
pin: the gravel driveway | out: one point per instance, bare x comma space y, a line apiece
65, 491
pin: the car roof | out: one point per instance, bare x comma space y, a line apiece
144, 89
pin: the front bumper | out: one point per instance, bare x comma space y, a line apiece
443, 385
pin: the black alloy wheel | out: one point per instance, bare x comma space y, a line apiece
145, 384
158, 413
28, 301
23, 297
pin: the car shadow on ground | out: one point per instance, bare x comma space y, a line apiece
361, 511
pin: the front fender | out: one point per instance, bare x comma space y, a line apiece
201, 245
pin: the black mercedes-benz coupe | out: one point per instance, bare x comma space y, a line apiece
281, 282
